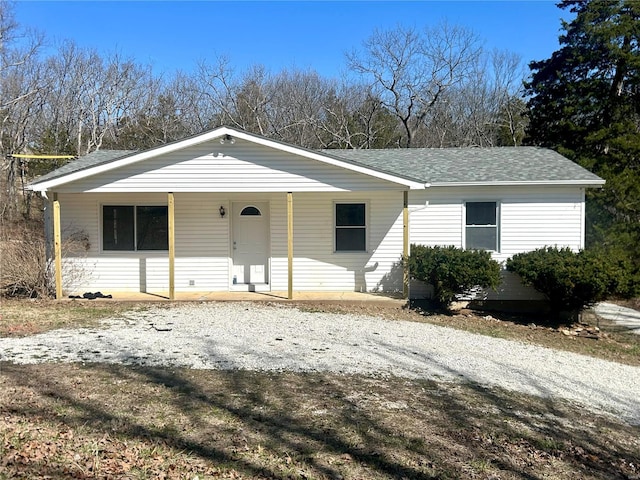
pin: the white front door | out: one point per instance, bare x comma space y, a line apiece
250, 243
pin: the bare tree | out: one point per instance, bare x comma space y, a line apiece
412, 70
92, 94
483, 110
240, 102
21, 82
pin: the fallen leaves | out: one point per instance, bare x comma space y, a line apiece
31, 450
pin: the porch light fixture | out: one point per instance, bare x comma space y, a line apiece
227, 139
222, 211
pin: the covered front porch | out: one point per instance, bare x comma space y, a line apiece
279, 244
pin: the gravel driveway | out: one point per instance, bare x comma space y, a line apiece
278, 337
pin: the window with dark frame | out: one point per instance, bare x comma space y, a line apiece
134, 228
351, 227
481, 226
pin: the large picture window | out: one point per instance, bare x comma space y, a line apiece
131, 228
351, 227
481, 226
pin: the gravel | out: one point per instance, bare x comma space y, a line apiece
282, 338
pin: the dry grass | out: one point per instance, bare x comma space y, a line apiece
99, 421
29, 317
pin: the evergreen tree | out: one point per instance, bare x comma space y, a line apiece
585, 103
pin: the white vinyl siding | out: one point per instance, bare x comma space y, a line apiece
203, 253
529, 218
202, 247
242, 167
316, 266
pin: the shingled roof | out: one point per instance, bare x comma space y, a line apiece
431, 166
445, 166
92, 159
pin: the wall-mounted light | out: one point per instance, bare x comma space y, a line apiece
222, 211
227, 139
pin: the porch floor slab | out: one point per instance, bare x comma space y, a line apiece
277, 296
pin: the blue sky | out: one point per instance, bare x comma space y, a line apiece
173, 35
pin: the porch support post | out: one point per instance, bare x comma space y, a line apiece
289, 245
405, 244
57, 245
172, 245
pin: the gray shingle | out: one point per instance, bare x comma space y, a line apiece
91, 160
426, 165
471, 165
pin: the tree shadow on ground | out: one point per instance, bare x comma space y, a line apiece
301, 425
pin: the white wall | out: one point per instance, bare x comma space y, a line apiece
203, 244
316, 266
530, 218
242, 167
202, 248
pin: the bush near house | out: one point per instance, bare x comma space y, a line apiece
453, 271
573, 280
26, 268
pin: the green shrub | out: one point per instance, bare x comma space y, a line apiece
570, 280
452, 271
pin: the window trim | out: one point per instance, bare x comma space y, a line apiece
366, 225
135, 227
498, 224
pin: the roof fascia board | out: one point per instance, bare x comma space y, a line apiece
551, 183
213, 134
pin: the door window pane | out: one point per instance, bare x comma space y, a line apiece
250, 211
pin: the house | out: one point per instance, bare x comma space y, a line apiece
227, 210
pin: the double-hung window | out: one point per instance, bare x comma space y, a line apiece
351, 227
481, 226
133, 228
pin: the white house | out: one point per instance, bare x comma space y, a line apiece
227, 210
